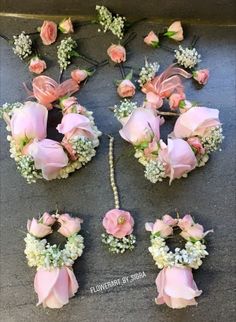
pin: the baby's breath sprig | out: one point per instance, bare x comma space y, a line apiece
125, 108
148, 72
22, 45
187, 57
119, 245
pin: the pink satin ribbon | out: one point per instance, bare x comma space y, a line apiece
46, 90
167, 82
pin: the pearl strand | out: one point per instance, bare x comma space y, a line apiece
112, 174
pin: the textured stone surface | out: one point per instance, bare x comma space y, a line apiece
208, 193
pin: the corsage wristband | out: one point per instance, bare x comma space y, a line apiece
54, 281
175, 284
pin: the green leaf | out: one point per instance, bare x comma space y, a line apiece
155, 44
75, 53
169, 34
129, 76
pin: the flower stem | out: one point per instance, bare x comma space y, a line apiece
4, 37
130, 37
87, 59
60, 76
112, 173
171, 50
168, 113
194, 41
121, 67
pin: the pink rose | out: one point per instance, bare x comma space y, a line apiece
37, 65
178, 158
175, 99
79, 75
176, 287
47, 219
69, 225
38, 229
117, 53
126, 88
142, 126
29, 122
185, 222
184, 106
153, 100
195, 143
68, 102
195, 231
118, 223
55, 287
159, 227
197, 121
175, 31
201, 76
66, 26
48, 32
49, 156
167, 219
74, 124
151, 39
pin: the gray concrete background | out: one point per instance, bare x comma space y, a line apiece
208, 193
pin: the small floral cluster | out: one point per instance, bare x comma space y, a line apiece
125, 108
22, 45
65, 51
9, 108
114, 23
148, 72
119, 245
194, 251
154, 171
40, 253
187, 57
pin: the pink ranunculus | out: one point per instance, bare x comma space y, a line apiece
151, 39
175, 31
175, 99
47, 219
79, 75
73, 124
167, 219
38, 229
48, 32
118, 223
69, 225
142, 126
195, 142
176, 287
37, 65
49, 156
185, 222
178, 158
153, 100
126, 88
201, 76
29, 122
66, 26
117, 53
197, 121
55, 287
159, 227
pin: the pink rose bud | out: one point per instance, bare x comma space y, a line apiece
67, 102
197, 121
175, 99
126, 88
178, 158
55, 287
185, 222
168, 220
152, 40
29, 122
161, 227
195, 231
117, 53
79, 75
48, 32
49, 156
47, 219
66, 26
153, 100
201, 76
184, 106
69, 225
141, 127
37, 65
38, 229
175, 31
73, 124
176, 287
195, 143
118, 223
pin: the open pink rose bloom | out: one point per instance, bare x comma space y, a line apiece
55, 287
118, 223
